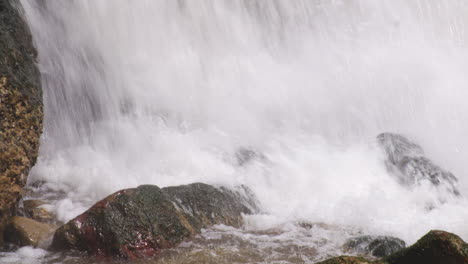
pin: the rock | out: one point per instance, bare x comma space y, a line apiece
245, 156
350, 260
34, 209
436, 247
20, 108
406, 160
205, 205
376, 246
139, 222
23, 231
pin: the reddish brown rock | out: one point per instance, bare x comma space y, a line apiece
139, 222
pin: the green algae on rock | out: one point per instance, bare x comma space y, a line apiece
436, 247
20, 108
350, 260
139, 222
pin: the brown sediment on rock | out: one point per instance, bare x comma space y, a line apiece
20, 108
140, 222
34, 209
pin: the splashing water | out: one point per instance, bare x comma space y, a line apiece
166, 92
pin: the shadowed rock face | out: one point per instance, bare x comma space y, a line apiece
139, 222
23, 231
435, 247
244, 156
406, 160
20, 108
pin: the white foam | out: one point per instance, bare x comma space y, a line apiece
165, 92
28, 255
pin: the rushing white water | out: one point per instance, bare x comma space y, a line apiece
166, 91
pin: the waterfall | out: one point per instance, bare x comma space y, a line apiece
167, 92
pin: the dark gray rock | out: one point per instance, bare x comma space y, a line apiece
406, 160
244, 156
377, 246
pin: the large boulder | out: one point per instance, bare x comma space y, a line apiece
406, 160
139, 222
20, 108
436, 247
375, 246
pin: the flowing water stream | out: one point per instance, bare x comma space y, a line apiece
168, 92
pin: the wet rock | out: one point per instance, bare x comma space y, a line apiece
406, 160
436, 247
350, 260
23, 231
34, 209
139, 222
376, 246
245, 156
205, 205
20, 108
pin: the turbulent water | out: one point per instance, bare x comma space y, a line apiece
167, 92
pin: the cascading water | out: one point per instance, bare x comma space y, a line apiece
166, 92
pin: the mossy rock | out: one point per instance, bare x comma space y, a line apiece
20, 108
350, 260
436, 247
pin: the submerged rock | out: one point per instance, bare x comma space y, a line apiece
244, 156
376, 246
139, 222
20, 108
406, 160
23, 231
436, 247
34, 209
